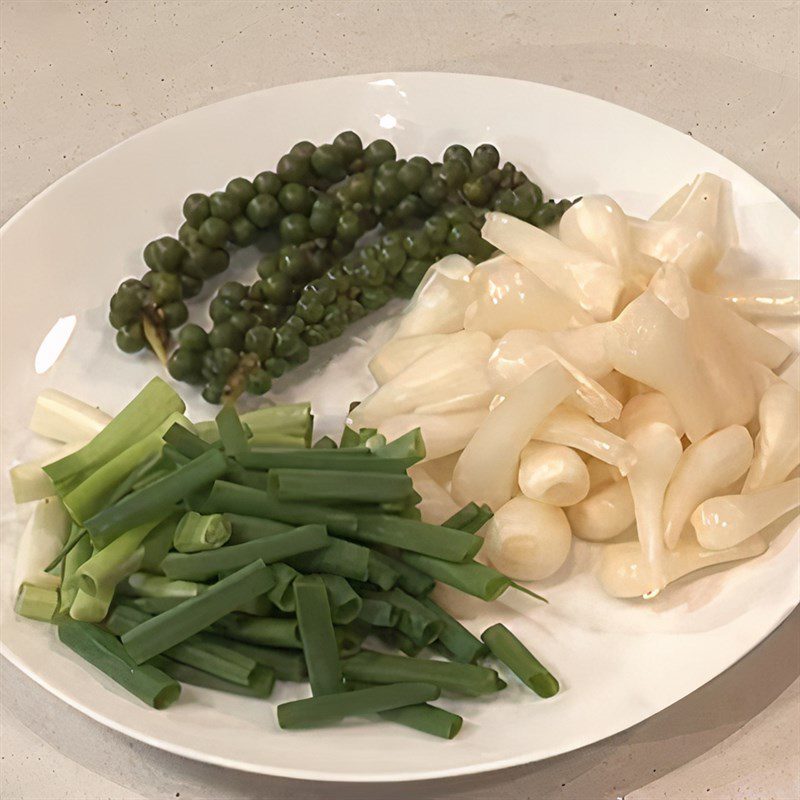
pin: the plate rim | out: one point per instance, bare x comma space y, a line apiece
362, 777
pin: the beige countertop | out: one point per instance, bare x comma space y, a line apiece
79, 77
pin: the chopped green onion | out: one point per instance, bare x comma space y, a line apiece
381, 572
245, 529
92, 494
340, 557
196, 533
156, 499
415, 620
288, 665
281, 426
260, 683
158, 543
408, 446
162, 632
378, 612
479, 520
146, 412
351, 459
88, 608
344, 602
410, 579
226, 497
468, 679
270, 549
282, 593
104, 651
462, 517
308, 485
470, 577
231, 432
322, 710
78, 555
269, 631
34, 602
421, 717
507, 648
107, 567
458, 641
317, 636
418, 537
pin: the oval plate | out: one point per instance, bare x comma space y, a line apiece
66, 251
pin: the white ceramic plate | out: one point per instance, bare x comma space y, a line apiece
62, 257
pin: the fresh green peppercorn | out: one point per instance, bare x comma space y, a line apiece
434, 191
293, 262
268, 265
212, 392
463, 238
190, 287
267, 183
164, 255
233, 291
417, 244
243, 232
457, 152
324, 289
437, 228
379, 151
503, 201
392, 257
263, 210
218, 261
275, 288
196, 209
126, 303
338, 278
223, 206
272, 315
165, 287
293, 168
410, 207
335, 320
295, 229
414, 173
454, 173
241, 191
118, 320
355, 310
316, 334
324, 214
225, 334
286, 342
187, 235
294, 324
310, 309
391, 167
304, 149
348, 226
243, 320
459, 213
388, 191
258, 382
300, 354
373, 297
358, 188
275, 366
349, 146
185, 365
296, 198
413, 271
198, 261
545, 215
478, 191
369, 273
193, 337
328, 162
259, 340
130, 338
214, 232
487, 153
220, 310
175, 314
147, 278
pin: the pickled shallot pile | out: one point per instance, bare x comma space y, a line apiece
611, 383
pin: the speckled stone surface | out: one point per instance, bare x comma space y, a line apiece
79, 77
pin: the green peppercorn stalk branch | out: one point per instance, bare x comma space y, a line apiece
319, 201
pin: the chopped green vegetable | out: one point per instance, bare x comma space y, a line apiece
316, 634
34, 602
196, 533
507, 648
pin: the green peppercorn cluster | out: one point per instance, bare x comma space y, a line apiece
320, 201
